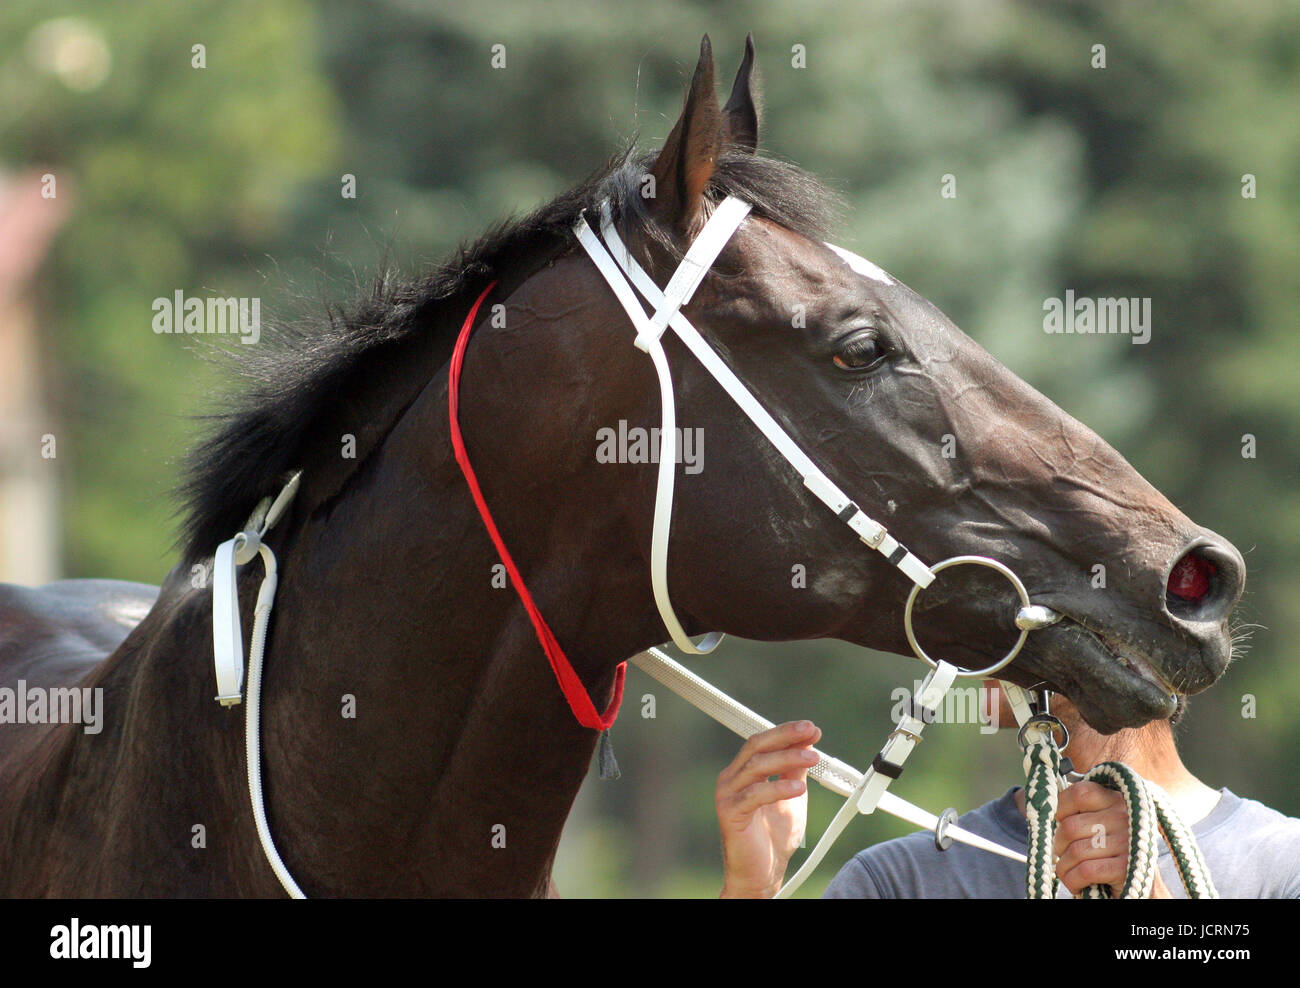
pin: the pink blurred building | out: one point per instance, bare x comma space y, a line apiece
29, 477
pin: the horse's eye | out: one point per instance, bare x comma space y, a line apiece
860, 353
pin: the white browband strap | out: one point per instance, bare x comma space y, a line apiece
726, 218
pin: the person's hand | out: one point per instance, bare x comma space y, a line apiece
763, 821
1092, 839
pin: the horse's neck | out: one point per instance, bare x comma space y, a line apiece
415, 740
463, 759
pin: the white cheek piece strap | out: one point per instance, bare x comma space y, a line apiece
726, 218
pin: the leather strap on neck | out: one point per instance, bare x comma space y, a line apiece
574, 692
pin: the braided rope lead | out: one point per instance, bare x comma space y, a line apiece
1193, 872
1143, 852
1042, 771
1149, 808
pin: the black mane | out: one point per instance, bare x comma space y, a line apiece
288, 386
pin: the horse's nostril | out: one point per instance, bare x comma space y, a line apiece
1205, 583
1191, 578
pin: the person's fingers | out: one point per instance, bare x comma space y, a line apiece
1094, 871
780, 764
749, 764
801, 771
790, 734
1087, 849
1105, 831
1086, 797
745, 803
787, 762
1092, 838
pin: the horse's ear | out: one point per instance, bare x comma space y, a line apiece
686, 163
741, 112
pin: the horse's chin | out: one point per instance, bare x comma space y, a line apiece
1112, 687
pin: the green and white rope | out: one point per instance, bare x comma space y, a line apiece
1149, 810
1143, 852
1193, 872
1042, 789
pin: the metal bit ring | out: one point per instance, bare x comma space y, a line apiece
977, 561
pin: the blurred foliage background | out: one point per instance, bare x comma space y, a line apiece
1116, 181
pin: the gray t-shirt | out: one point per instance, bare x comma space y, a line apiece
1253, 852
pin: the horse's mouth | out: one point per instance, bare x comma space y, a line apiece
1132, 660
1113, 684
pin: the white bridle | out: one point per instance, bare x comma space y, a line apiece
622, 272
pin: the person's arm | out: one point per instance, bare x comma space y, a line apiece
1092, 839
762, 821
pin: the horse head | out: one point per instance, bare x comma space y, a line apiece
922, 427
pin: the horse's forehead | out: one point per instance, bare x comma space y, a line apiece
862, 266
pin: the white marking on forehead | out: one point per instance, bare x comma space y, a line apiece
862, 266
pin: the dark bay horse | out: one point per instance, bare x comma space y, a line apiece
459, 765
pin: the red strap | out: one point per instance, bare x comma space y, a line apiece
574, 692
